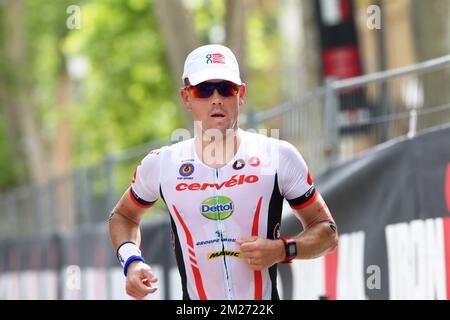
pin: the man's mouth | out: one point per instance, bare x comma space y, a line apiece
218, 115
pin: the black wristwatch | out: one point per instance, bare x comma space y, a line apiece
290, 247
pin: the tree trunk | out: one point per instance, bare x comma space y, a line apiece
178, 33
179, 36
235, 28
25, 130
64, 201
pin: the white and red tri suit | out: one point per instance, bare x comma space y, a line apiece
211, 208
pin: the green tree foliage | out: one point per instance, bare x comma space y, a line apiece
7, 175
37, 76
7, 171
263, 56
128, 97
263, 46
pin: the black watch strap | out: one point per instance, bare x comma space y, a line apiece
290, 247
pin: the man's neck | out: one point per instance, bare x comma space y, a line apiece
216, 151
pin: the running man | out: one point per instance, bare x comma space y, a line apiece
224, 190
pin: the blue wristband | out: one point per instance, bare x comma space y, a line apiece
130, 260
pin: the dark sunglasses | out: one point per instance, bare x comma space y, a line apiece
206, 89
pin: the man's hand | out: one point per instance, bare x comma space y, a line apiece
261, 253
140, 280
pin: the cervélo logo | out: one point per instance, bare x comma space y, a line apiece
217, 208
233, 181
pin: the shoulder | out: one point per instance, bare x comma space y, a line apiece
152, 159
257, 142
287, 150
153, 156
277, 150
161, 159
270, 141
157, 154
172, 154
290, 160
253, 136
181, 146
283, 150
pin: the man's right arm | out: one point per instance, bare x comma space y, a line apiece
125, 219
124, 229
124, 226
124, 222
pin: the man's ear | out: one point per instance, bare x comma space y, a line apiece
186, 99
242, 93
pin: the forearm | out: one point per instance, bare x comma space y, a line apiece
316, 240
122, 229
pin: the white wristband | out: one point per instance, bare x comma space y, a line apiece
127, 250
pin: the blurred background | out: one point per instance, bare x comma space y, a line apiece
89, 87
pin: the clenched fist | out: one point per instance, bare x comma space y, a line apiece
140, 280
261, 253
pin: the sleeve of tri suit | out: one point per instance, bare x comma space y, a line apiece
144, 189
294, 177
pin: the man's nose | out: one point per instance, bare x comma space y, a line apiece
216, 98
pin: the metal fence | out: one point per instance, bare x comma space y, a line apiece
333, 123
346, 117
301, 122
381, 106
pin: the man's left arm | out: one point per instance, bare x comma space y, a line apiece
319, 237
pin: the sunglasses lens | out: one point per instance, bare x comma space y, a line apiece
227, 89
206, 89
202, 90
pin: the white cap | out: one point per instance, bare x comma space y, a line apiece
209, 62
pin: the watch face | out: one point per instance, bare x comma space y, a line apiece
291, 249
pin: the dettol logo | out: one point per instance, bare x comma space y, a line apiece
217, 208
